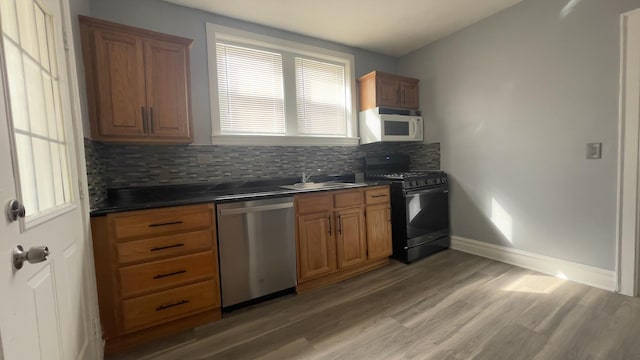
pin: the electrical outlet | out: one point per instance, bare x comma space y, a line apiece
594, 150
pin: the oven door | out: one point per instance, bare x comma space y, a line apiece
427, 215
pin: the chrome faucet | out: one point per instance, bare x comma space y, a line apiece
305, 177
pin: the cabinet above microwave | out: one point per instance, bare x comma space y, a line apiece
378, 89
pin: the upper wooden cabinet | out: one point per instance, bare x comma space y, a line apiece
138, 83
378, 89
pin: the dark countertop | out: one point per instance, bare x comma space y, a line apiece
139, 198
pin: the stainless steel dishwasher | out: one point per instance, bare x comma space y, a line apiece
257, 248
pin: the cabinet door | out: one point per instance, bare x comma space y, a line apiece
351, 237
409, 94
167, 90
120, 84
379, 231
316, 246
388, 91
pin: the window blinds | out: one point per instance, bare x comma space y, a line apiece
250, 91
320, 98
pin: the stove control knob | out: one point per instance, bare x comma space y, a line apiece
437, 180
444, 180
430, 182
413, 183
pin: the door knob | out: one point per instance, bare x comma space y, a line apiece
15, 210
34, 255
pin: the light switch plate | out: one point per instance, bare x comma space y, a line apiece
594, 151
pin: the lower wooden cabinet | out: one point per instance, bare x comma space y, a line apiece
316, 246
165, 306
337, 239
157, 270
379, 231
352, 239
157, 273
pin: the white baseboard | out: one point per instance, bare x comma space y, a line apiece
584, 274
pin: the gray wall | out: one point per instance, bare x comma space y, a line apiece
172, 19
513, 100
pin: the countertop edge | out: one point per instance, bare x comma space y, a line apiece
278, 192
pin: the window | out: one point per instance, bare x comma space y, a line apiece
35, 87
320, 98
250, 91
267, 91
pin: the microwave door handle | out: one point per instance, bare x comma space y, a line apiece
413, 128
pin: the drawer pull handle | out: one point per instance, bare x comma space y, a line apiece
164, 307
165, 224
166, 247
378, 196
169, 274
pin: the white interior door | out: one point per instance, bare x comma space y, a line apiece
43, 312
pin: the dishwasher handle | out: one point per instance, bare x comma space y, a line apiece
254, 209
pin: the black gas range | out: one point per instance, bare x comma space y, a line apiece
419, 206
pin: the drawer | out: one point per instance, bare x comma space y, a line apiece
158, 275
163, 247
348, 198
306, 204
377, 196
169, 305
161, 221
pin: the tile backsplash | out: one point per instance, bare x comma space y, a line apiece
120, 165
96, 171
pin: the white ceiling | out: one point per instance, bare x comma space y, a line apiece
392, 27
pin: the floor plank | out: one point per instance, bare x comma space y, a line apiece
450, 306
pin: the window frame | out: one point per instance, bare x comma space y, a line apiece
289, 50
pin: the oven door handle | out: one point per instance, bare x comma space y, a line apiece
439, 189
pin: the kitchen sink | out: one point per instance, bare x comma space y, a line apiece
320, 186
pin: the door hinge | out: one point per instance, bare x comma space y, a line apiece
65, 40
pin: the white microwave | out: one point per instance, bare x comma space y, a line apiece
376, 127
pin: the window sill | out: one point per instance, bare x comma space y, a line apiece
263, 140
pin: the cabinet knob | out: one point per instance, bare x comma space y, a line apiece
36, 254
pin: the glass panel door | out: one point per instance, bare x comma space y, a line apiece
36, 105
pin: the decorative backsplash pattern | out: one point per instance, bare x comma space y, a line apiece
118, 165
96, 171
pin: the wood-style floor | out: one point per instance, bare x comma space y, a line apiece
451, 306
